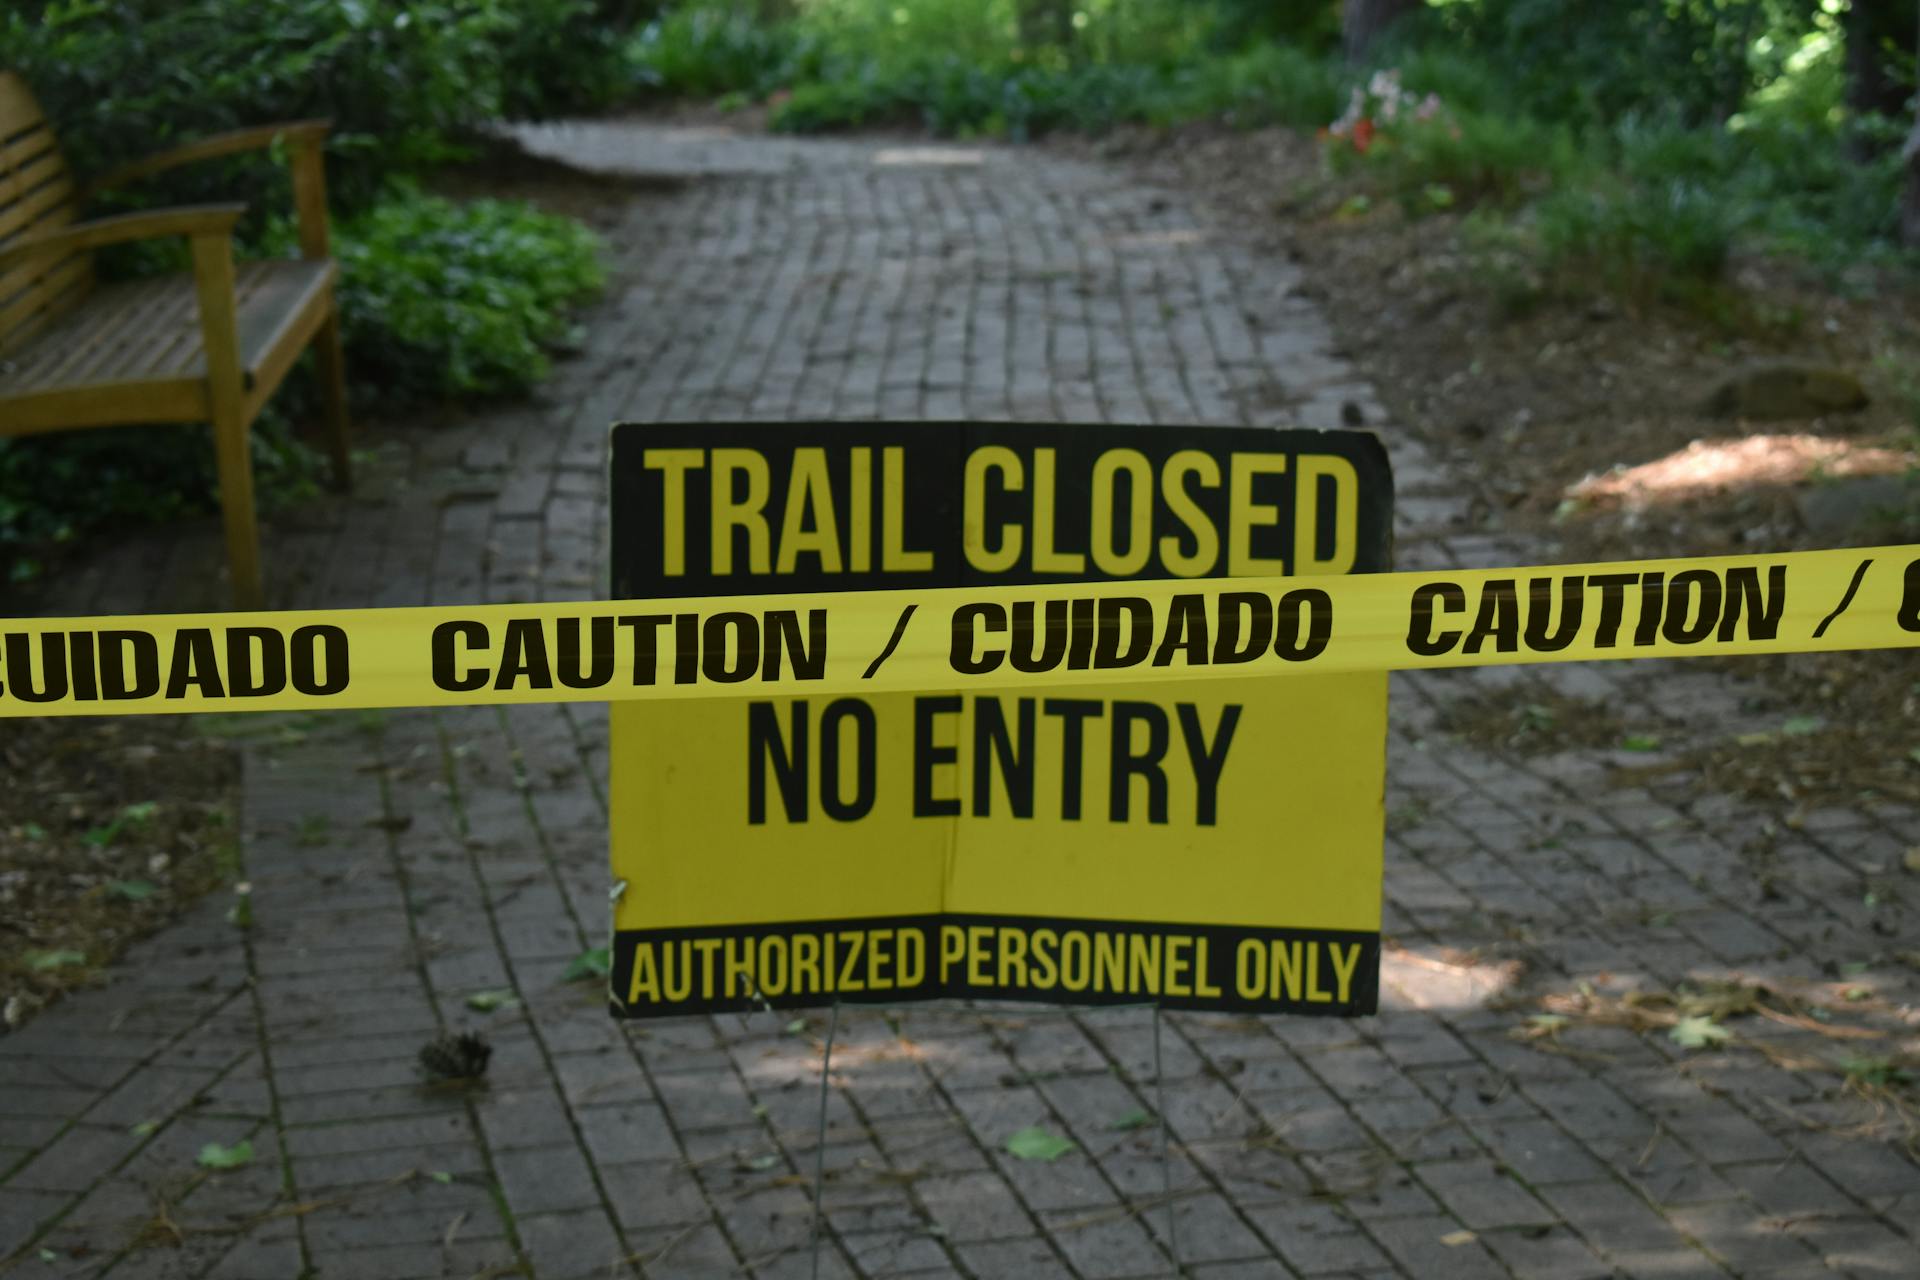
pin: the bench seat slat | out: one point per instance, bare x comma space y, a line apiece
100, 339
38, 301
149, 331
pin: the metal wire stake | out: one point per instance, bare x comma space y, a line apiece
1166, 1146
820, 1136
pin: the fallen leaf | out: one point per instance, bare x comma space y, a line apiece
488, 1001
1640, 742
760, 1164
1800, 726
132, 890
798, 1027
588, 964
1037, 1144
1454, 1239
215, 1156
41, 961
1134, 1119
1698, 1033
442, 1177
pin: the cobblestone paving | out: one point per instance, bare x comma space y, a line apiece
402, 862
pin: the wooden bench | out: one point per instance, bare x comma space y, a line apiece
209, 346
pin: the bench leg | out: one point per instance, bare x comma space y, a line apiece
333, 396
233, 456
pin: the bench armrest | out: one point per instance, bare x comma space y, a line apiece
152, 224
301, 135
303, 138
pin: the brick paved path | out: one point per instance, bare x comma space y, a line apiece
401, 862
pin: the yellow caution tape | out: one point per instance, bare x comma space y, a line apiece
985, 637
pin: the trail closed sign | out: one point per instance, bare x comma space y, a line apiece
1204, 845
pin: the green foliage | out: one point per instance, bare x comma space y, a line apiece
55, 488
402, 80
440, 299
1593, 61
1265, 84
126, 77
1657, 238
958, 67
705, 51
1466, 158
595, 962
563, 56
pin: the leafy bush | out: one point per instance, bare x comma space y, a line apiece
439, 299
56, 488
126, 77
1472, 158
1654, 238
960, 67
565, 56
1266, 84
402, 80
1693, 60
706, 52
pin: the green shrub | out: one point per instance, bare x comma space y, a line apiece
1652, 239
402, 80
439, 299
702, 51
56, 488
1266, 84
564, 56
1467, 158
1590, 62
127, 77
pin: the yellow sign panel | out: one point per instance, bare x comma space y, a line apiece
1251, 808
1205, 846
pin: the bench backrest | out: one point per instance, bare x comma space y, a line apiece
38, 193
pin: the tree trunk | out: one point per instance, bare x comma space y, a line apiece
1871, 26
1045, 22
1910, 198
1363, 22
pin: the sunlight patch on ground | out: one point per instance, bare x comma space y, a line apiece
1714, 466
925, 157
1154, 239
1429, 977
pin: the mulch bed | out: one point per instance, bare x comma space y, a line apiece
108, 829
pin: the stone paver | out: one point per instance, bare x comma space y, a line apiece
403, 861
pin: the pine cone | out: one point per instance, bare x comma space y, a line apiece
461, 1057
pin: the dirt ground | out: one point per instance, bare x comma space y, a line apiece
108, 829
1586, 420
